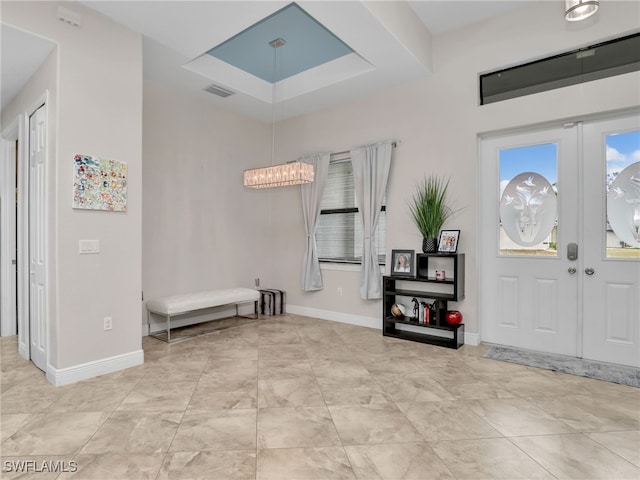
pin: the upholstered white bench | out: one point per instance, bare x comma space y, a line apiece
197, 303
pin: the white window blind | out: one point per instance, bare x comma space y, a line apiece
339, 231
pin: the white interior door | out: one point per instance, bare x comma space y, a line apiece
528, 213
534, 293
37, 250
8, 257
612, 247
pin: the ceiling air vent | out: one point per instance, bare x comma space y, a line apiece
218, 90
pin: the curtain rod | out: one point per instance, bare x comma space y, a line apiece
348, 152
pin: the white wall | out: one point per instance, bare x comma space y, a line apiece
97, 110
438, 120
201, 228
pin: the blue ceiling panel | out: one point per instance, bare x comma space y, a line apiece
308, 44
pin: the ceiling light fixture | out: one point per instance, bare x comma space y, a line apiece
576, 10
292, 173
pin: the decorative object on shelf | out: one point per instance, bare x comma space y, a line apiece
398, 310
427, 313
454, 317
441, 275
292, 173
429, 210
448, 242
416, 308
433, 313
403, 265
576, 10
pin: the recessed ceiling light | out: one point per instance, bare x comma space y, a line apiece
576, 10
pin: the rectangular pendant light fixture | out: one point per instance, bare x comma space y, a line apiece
283, 175
293, 173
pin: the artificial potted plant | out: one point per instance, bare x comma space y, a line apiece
429, 210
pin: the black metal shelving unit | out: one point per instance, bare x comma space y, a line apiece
453, 291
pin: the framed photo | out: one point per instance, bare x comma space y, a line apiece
403, 265
448, 242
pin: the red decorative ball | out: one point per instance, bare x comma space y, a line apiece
454, 317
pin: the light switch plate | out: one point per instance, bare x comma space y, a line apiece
89, 246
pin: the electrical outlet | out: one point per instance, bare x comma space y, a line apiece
340, 291
257, 281
108, 323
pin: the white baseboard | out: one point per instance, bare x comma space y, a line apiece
65, 376
359, 320
471, 339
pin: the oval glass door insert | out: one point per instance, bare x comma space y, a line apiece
528, 209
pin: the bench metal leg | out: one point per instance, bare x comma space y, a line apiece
255, 311
158, 334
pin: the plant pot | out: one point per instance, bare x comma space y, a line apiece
429, 245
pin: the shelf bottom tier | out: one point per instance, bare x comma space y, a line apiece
456, 341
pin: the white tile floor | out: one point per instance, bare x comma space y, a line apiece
297, 398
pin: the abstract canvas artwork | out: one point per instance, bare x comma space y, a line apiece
99, 184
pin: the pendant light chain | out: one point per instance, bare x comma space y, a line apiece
273, 102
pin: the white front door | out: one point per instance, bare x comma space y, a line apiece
37, 250
549, 280
529, 297
612, 227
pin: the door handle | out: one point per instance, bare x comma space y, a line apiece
572, 270
589, 271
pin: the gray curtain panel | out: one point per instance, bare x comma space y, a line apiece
371, 165
311, 199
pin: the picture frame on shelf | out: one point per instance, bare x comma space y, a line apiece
448, 241
403, 263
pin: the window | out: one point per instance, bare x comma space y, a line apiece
339, 231
603, 60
